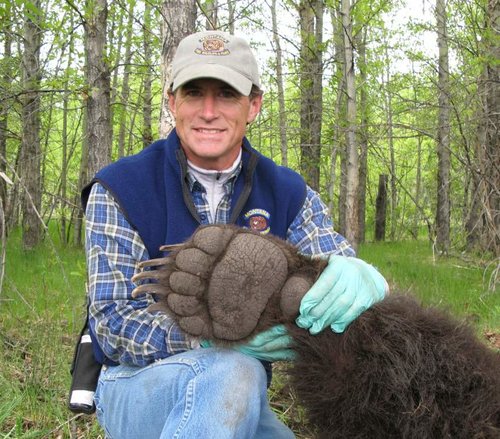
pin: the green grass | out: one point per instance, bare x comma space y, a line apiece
42, 308
455, 283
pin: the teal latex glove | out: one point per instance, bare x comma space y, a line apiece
346, 287
271, 345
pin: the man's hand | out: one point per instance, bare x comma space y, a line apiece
346, 287
274, 344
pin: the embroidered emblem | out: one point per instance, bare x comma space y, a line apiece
258, 220
213, 45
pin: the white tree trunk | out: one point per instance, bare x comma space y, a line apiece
282, 120
351, 226
443, 134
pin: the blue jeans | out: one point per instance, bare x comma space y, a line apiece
204, 394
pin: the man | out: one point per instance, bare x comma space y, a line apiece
157, 382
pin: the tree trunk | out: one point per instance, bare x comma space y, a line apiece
82, 181
210, 10
125, 91
491, 231
482, 219
311, 103
179, 19
64, 158
147, 130
98, 132
282, 120
443, 135
390, 139
230, 8
381, 208
351, 231
338, 148
116, 36
4, 106
363, 137
30, 145
418, 178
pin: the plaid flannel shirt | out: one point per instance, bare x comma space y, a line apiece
126, 331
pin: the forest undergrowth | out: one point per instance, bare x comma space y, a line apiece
42, 310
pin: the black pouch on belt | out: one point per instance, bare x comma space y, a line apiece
84, 375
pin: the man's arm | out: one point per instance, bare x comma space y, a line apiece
126, 331
347, 286
312, 233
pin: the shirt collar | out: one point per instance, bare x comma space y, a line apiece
230, 175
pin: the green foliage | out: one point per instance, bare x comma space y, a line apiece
398, 66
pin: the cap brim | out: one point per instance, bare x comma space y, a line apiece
216, 71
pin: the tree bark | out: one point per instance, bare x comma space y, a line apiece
210, 10
390, 139
125, 91
381, 208
338, 148
491, 231
4, 106
363, 137
82, 181
311, 101
116, 36
147, 130
351, 229
98, 131
282, 120
179, 19
230, 18
418, 179
30, 160
443, 134
65, 138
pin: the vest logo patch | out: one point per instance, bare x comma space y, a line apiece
258, 220
213, 45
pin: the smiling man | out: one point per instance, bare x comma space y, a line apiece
156, 381
211, 119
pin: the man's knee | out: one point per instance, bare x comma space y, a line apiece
240, 368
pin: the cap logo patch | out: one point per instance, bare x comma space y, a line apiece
214, 45
258, 220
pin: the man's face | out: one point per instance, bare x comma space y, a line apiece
211, 118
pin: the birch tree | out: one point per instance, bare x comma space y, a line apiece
443, 134
210, 10
4, 107
282, 120
363, 135
125, 90
338, 149
352, 160
147, 131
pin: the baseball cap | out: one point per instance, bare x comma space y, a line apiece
218, 55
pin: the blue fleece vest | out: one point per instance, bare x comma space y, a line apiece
151, 189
